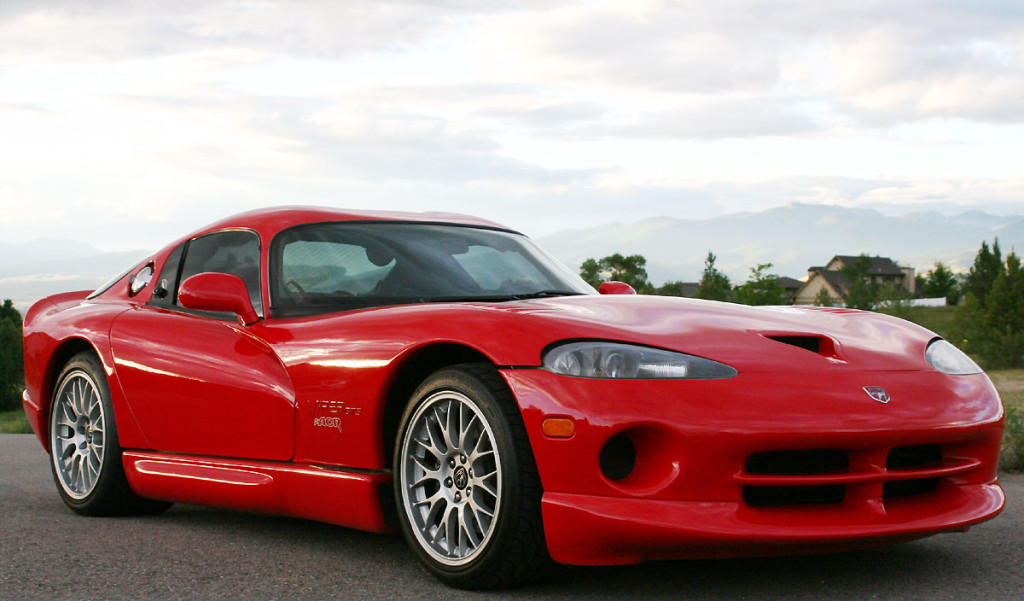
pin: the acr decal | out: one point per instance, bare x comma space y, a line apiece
328, 414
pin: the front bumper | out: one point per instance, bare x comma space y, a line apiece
761, 463
589, 530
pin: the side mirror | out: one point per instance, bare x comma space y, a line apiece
616, 288
221, 292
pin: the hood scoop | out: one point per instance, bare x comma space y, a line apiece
815, 343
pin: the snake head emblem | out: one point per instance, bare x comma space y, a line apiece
878, 393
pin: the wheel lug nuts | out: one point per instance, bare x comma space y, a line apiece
451, 462
458, 497
448, 482
462, 459
469, 492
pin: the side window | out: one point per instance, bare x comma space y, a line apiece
167, 281
236, 252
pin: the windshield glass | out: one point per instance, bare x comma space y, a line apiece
323, 267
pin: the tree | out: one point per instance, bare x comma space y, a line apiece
762, 288
1004, 308
941, 282
12, 371
590, 271
987, 267
823, 298
631, 270
714, 285
969, 330
861, 292
992, 330
674, 288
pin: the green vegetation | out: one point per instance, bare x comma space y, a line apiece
714, 285
940, 282
631, 270
936, 319
1010, 383
989, 323
12, 373
762, 288
14, 422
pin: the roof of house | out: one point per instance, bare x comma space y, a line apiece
690, 288
836, 280
879, 265
789, 283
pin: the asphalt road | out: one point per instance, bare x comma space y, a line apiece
190, 552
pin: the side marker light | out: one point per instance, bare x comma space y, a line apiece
558, 427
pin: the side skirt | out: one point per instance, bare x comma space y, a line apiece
335, 496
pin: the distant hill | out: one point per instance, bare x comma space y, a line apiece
792, 238
33, 270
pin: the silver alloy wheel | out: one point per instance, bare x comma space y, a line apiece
78, 434
450, 478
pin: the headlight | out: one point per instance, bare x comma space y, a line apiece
629, 361
948, 359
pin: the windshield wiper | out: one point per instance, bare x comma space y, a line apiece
544, 294
496, 298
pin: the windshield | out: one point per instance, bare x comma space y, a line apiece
323, 267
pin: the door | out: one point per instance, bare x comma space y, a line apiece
202, 383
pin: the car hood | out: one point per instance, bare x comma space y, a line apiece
750, 339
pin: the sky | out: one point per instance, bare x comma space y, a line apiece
126, 123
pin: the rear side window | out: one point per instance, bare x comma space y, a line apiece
235, 252
167, 281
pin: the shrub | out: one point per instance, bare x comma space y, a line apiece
1011, 457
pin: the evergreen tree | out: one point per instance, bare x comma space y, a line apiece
1005, 312
993, 330
9, 313
714, 285
762, 288
941, 282
987, 267
12, 371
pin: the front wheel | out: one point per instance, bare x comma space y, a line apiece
85, 456
466, 484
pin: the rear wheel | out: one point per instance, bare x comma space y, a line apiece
466, 484
85, 456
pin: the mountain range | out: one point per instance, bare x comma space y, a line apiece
792, 238
32, 270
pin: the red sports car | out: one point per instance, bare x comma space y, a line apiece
441, 375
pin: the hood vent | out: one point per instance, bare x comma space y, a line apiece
817, 344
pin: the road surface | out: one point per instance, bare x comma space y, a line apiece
190, 552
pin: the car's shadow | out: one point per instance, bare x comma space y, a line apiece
930, 566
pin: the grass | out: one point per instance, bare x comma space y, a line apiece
936, 319
14, 422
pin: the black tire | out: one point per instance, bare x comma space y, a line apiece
85, 457
443, 504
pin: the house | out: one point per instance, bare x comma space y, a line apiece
883, 271
790, 286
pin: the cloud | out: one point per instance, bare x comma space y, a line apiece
145, 119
